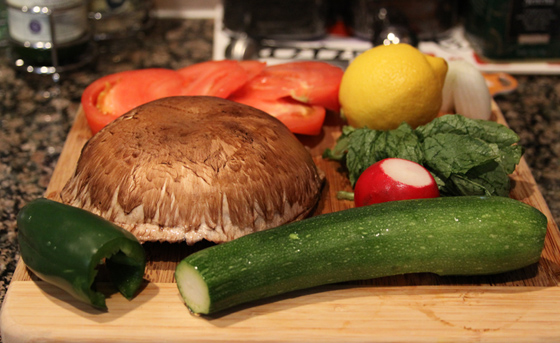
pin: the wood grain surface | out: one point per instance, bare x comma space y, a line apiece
519, 306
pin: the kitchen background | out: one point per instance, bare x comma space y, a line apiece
185, 9
36, 111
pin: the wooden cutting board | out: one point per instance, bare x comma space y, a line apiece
519, 306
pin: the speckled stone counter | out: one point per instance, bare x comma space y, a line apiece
36, 115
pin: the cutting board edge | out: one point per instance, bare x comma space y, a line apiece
433, 312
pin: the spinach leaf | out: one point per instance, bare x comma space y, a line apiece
365, 147
465, 156
447, 153
489, 131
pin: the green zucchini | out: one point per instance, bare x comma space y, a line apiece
466, 235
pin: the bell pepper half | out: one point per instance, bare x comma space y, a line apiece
63, 245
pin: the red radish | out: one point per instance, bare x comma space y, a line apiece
394, 179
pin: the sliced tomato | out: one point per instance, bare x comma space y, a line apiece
300, 118
310, 82
218, 78
113, 95
252, 67
297, 93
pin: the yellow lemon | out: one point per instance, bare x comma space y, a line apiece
390, 84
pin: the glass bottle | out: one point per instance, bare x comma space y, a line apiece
49, 36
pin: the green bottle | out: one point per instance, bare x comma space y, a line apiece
514, 29
3, 24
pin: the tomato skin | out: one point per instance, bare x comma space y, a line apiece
95, 118
137, 87
252, 67
218, 78
298, 117
113, 95
296, 93
319, 82
311, 82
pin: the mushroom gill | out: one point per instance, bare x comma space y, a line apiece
193, 168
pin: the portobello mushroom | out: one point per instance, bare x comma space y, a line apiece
193, 168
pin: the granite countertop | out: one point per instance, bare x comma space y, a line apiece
36, 114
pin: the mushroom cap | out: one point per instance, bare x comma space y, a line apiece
193, 168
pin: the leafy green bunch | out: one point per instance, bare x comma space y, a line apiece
465, 156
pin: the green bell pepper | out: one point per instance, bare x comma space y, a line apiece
63, 245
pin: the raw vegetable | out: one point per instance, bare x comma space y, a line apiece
296, 93
111, 96
300, 118
446, 236
63, 245
394, 179
310, 82
465, 91
465, 156
218, 78
229, 170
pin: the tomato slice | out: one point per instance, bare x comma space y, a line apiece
300, 118
218, 78
311, 82
252, 67
297, 93
113, 95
